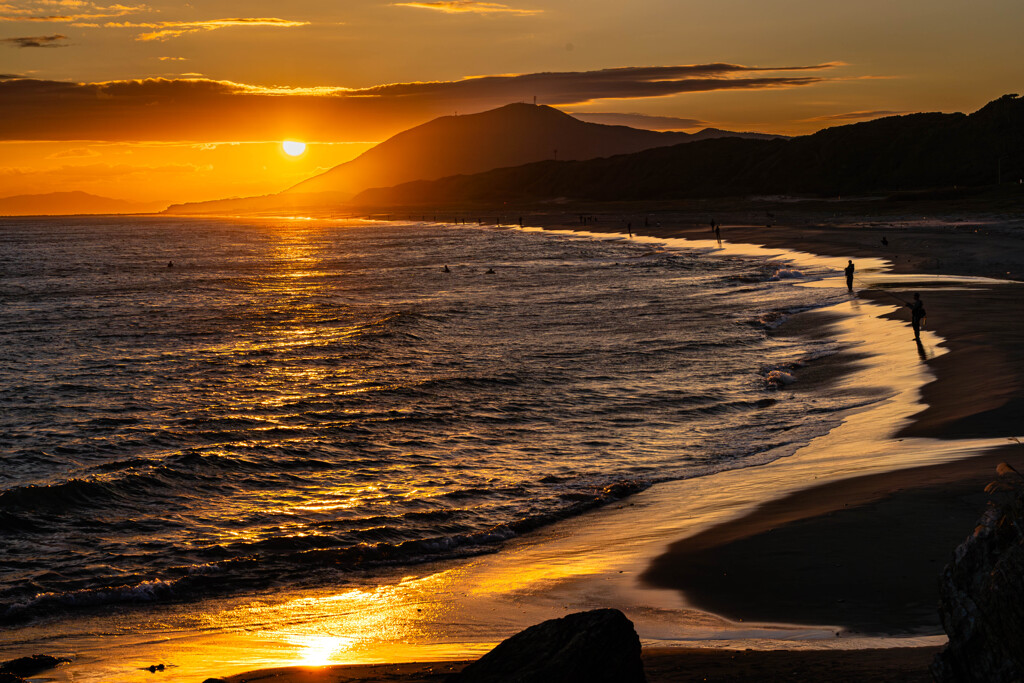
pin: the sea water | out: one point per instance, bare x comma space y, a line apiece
197, 408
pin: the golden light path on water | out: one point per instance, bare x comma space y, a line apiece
459, 609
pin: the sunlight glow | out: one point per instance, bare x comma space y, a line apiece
319, 650
293, 148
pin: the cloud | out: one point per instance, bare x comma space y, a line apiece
48, 11
38, 41
621, 83
468, 7
173, 29
640, 120
76, 152
173, 59
204, 110
855, 116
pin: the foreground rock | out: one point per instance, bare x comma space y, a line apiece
982, 593
599, 646
17, 670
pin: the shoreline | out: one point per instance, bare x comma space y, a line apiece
557, 550
954, 490
911, 491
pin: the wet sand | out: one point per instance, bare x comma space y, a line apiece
864, 552
666, 665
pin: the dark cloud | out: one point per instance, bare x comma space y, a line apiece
37, 41
207, 110
576, 87
641, 121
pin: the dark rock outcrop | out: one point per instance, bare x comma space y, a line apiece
23, 667
982, 593
599, 646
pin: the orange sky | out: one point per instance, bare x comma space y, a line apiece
179, 102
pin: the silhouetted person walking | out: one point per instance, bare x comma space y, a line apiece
849, 275
917, 315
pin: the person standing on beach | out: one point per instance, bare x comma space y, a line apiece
917, 315
718, 232
849, 275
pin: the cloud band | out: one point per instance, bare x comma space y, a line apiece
203, 110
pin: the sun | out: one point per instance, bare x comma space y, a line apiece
293, 148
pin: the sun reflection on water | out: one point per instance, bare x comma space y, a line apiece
321, 650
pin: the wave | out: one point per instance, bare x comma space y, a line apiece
46, 603
269, 562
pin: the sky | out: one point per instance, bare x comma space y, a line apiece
169, 102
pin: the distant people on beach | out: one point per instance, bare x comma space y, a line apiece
849, 275
715, 228
446, 269
917, 315
490, 271
170, 264
885, 242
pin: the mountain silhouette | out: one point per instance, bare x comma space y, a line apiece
69, 203
508, 136
892, 154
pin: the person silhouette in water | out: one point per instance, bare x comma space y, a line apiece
849, 275
917, 315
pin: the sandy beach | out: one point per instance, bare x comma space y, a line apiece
665, 665
863, 551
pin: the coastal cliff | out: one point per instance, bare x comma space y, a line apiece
981, 590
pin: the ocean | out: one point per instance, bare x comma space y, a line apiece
195, 408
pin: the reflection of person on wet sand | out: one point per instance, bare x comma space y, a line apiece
849, 275
917, 315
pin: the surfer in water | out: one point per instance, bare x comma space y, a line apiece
849, 275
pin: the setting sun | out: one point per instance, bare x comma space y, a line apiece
293, 148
